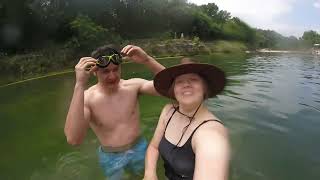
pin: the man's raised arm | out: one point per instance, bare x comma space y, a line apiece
138, 55
77, 121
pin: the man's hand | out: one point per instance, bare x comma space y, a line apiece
84, 68
135, 53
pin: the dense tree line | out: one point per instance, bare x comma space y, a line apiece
33, 24
39, 36
274, 40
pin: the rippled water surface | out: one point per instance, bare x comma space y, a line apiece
271, 107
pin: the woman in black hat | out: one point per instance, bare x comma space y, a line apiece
191, 140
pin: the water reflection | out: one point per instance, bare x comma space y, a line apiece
273, 117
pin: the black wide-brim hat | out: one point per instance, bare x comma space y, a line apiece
215, 77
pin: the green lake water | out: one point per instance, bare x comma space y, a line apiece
271, 106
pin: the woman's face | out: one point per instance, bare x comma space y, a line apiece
189, 88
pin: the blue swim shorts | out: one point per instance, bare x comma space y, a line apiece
114, 163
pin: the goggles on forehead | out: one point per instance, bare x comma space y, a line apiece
104, 61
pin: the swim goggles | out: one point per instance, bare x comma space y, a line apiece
104, 61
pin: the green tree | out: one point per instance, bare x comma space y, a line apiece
311, 37
238, 30
205, 28
212, 10
89, 35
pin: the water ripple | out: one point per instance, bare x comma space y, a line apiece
312, 107
248, 100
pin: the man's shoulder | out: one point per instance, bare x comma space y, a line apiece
133, 81
91, 89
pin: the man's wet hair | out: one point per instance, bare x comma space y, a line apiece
105, 50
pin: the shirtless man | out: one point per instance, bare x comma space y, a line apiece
111, 109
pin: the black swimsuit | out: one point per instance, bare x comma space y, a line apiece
179, 162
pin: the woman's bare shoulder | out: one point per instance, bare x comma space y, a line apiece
167, 111
212, 132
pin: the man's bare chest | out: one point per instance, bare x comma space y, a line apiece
108, 111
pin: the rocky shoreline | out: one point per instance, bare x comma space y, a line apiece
280, 51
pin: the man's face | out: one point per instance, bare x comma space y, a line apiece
109, 75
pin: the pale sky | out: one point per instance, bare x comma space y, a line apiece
288, 17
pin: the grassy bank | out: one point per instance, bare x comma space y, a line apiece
57, 58
226, 47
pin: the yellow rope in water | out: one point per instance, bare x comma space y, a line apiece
68, 71
49, 75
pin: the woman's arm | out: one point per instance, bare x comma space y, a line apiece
211, 147
152, 153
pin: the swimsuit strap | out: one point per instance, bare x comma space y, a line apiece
203, 123
175, 109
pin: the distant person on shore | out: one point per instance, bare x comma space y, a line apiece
111, 109
191, 140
